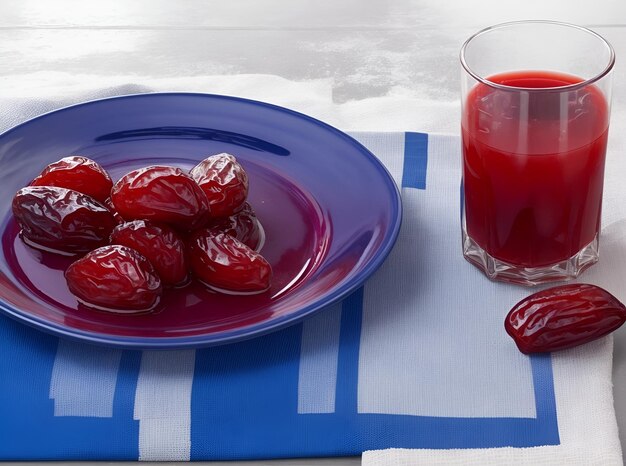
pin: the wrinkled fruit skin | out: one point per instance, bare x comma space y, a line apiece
78, 173
225, 263
161, 194
563, 317
116, 216
243, 225
115, 278
224, 181
160, 244
61, 219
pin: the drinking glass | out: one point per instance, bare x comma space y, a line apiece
535, 117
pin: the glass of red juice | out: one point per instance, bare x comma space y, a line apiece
535, 118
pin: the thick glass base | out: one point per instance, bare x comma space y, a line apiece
499, 270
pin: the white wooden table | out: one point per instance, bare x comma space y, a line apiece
365, 49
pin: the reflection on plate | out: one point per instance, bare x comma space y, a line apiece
330, 210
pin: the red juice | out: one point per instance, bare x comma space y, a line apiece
533, 166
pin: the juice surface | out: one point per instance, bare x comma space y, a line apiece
533, 166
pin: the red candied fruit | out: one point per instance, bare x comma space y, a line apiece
61, 219
226, 264
161, 222
116, 216
161, 194
115, 278
160, 244
224, 181
563, 317
78, 173
244, 225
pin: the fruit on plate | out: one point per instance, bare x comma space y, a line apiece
161, 194
226, 264
224, 181
116, 216
115, 278
61, 219
243, 225
78, 173
563, 317
160, 244
153, 229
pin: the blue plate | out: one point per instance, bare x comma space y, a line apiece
330, 210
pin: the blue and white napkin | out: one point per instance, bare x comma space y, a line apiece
413, 368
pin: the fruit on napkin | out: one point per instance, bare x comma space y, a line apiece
160, 244
224, 181
61, 219
78, 173
115, 278
563, 317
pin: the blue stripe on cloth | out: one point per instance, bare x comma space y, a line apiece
28, 428
348, 367
426, 431
249, 390
415, 160
545, 399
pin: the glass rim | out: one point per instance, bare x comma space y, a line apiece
569, 87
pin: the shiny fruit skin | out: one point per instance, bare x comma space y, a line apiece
225, 263
115, 278
563, 317
224, 181
116, 216
243, 225
61, 219
160, 244
161, 194
78, 173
